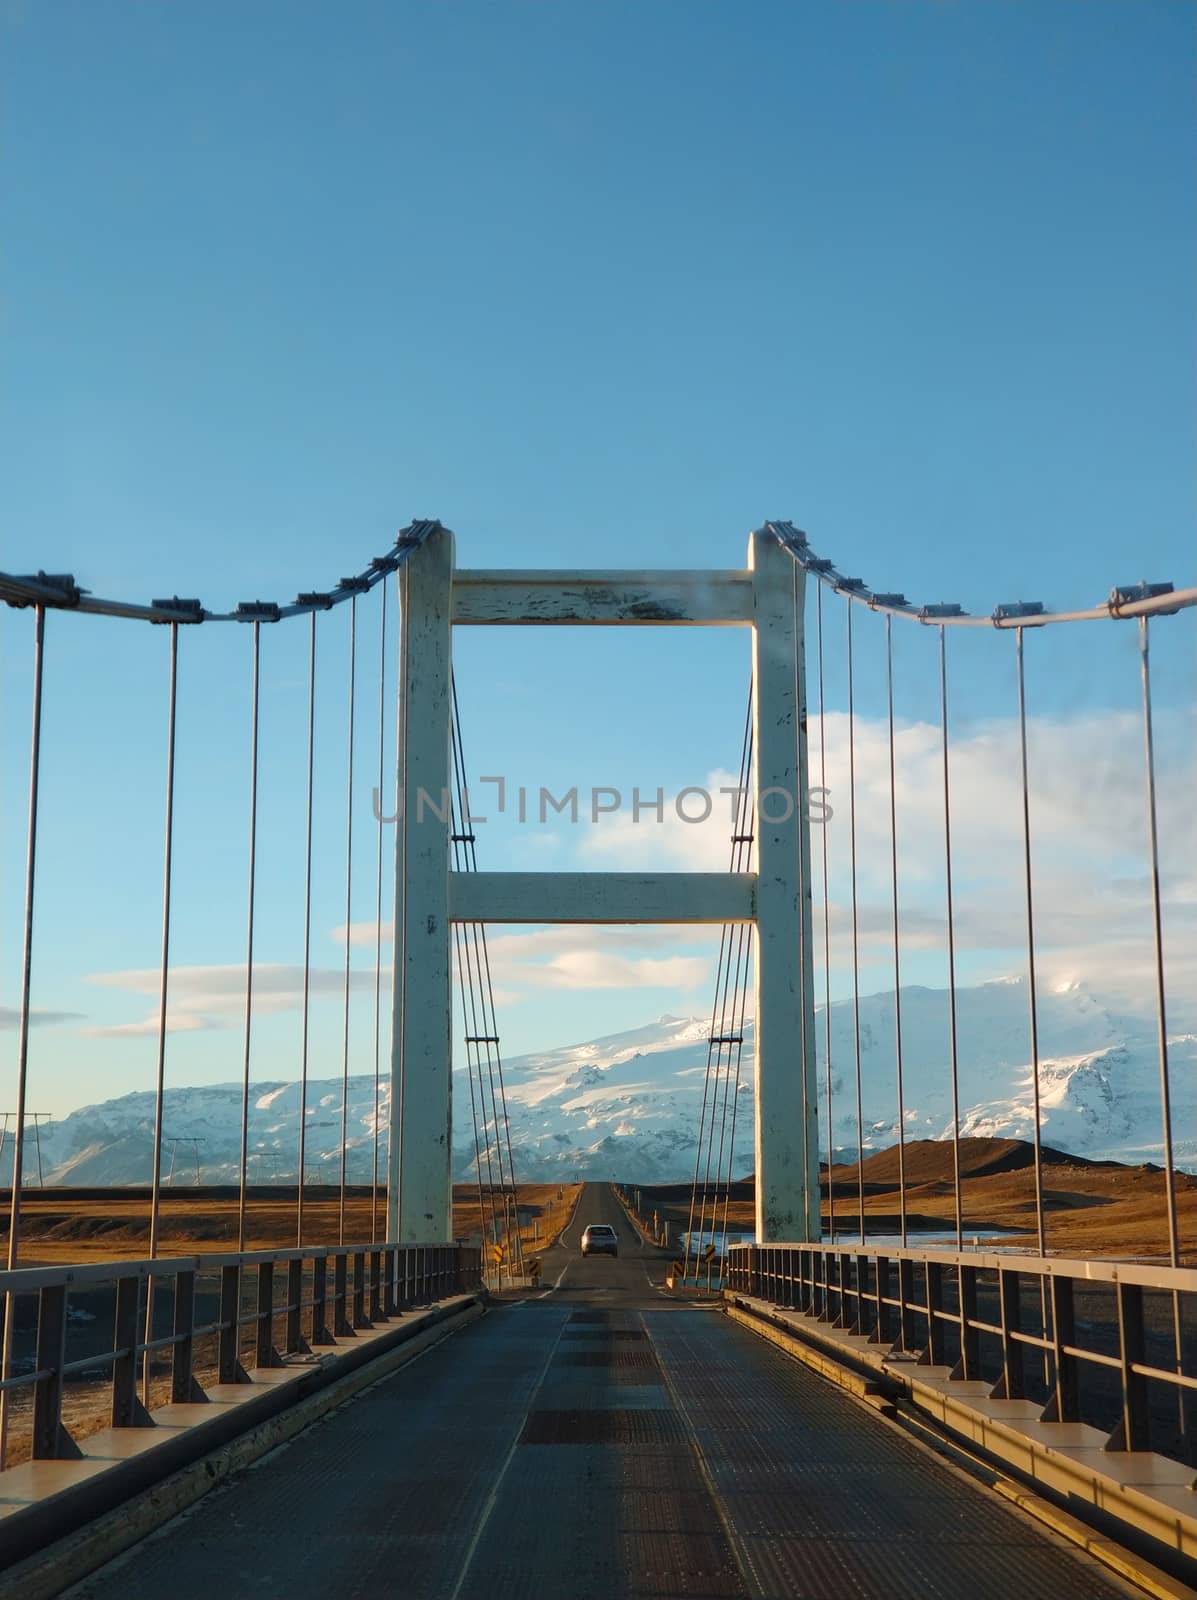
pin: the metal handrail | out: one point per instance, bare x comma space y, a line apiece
937, 1297
385, 1280
1100, 1269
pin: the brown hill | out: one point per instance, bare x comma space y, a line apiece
930, 1161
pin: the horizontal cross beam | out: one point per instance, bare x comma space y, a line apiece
705, 897
615, 598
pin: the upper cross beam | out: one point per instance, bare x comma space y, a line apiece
625, 597
583, 897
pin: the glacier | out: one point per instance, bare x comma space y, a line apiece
628, 1105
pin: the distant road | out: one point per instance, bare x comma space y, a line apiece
634, 1278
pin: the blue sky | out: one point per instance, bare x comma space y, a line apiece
596, 285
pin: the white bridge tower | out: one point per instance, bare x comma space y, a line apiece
767, 596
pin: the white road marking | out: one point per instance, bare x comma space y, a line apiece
493, 1498
554, 1285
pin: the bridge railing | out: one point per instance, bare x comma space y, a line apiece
79, 1331
1109, 1343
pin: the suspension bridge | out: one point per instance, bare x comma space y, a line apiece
841, 1414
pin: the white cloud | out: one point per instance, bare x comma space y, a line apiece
10, 1018
1092, 904
203, 998
584, 968
1088, 840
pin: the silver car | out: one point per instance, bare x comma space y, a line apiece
600, 1240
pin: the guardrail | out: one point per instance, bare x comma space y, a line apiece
1109, 1343
215, 1315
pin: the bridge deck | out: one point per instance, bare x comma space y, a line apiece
596, 1443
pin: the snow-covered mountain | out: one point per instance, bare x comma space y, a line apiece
628, 1105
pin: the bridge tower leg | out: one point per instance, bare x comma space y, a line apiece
420, 1186
787, 1144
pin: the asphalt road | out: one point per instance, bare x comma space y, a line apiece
597, 1440
634, 1278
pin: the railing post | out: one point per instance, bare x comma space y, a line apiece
1134, 1430
127, 1409
807, 1287
855, 1275
294, 1333
881, 1329
50, 1439
1064, 1405
835, 1289
933, 1352
265, 1352
1010, 1385
376, 1313
342, 1326
229, 1343
969, 1365
320, 1333
183, 1387
360, 1320
906, 1305
865, 1314
391, 1281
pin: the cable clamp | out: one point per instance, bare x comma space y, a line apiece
1018, 610
187, 610
256, 611
416, 532
789, 534
57, 589
1120, 597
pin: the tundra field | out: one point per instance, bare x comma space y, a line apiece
1092, 1208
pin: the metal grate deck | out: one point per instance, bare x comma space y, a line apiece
540, 1455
